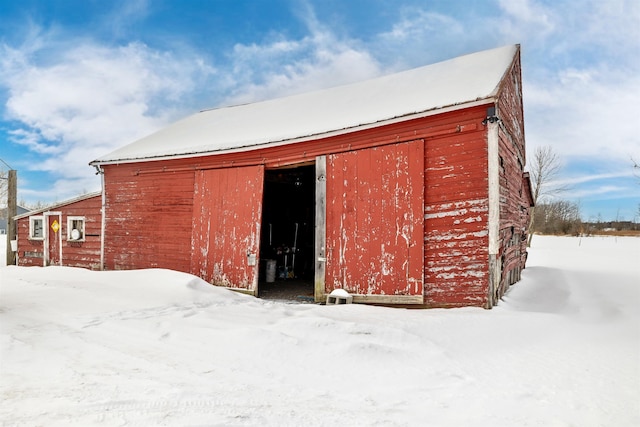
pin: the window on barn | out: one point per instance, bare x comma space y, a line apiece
75, 229
36, 227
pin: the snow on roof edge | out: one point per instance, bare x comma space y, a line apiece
251, 146
60, 204
430, 89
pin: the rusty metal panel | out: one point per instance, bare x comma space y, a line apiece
375, 225
227, 213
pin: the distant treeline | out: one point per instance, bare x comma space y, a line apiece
563, 218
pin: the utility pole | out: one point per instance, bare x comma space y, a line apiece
12, 210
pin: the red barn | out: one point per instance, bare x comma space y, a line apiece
67, 233
405, 189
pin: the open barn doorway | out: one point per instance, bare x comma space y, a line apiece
288, 232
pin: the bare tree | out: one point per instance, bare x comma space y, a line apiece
544, 169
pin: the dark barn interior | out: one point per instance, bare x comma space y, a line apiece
288, 232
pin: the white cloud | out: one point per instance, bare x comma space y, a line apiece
422, 37
582, 179
524, 18
281, 67
31, 140
416, 23
586, 113
91, 100
603, 192
125, 14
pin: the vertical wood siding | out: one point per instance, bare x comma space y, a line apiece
374, 220
227, 215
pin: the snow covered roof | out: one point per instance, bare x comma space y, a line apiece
341, 109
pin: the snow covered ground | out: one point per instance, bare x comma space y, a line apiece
3, 250
156, 347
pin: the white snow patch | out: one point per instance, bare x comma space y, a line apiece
339, 293
3, 250
156, 347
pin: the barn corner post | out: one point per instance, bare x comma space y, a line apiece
103, 214
320, 232
494, 206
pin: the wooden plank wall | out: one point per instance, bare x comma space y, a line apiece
456, 215
375, 220
514, 204
30, 252
227, 217
148, 218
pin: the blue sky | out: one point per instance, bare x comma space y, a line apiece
80, 78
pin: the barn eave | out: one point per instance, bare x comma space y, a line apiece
248, 146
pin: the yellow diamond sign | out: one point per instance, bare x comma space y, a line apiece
55, 226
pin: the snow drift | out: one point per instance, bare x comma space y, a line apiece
157, 347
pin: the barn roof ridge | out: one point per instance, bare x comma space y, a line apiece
431, 88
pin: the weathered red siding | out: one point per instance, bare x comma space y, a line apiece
30, 252
514, 202
154, 220
456, 215
74, 253
375, 220
148, 218
227, 216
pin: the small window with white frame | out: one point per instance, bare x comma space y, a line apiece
75, 228
36, 227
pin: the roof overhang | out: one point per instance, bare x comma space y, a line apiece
337, 132
59, 205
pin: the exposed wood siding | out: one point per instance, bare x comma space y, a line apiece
87, 253
148, 219
30, 252
514, 202
456, 215
74, 253
320, 250
227, 216
374, 220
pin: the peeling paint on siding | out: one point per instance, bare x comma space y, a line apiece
375, 225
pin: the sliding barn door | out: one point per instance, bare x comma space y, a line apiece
375, 223
227, 212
